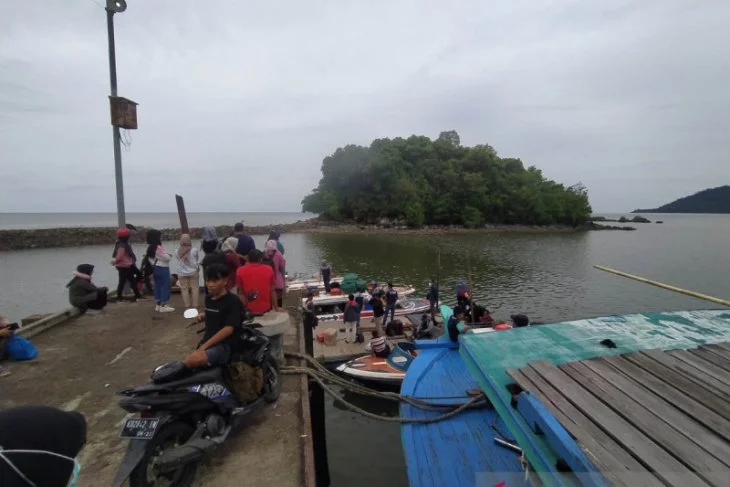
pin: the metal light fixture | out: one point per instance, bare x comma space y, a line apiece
116, 6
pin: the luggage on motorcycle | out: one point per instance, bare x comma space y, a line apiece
249, 347
245, 381
168, 372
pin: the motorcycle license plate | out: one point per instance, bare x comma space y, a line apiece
139, 428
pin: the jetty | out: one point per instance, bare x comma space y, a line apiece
84, 360
639, 399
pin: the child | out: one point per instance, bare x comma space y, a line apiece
351, 315
378, 346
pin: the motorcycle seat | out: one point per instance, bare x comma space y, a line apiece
174, 374
199, 376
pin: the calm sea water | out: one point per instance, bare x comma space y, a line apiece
547, 276
158, 220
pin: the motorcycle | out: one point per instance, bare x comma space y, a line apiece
184, 414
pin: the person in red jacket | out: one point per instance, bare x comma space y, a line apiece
255, 283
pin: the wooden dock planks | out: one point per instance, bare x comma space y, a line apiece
646, 418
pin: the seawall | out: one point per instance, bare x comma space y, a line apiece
82, 236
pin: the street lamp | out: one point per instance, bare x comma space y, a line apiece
123, 111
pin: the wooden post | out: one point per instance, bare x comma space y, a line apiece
181, 213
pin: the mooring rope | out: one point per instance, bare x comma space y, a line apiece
322, 376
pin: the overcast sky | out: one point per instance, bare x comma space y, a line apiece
240, 101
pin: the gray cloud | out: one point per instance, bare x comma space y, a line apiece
240, 102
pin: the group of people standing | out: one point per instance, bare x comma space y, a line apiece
153, 274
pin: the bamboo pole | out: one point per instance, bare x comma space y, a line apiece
471, 290
668, 287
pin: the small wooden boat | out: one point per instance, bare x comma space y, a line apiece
381, 371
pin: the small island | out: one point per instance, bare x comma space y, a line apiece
712, 200
418, 181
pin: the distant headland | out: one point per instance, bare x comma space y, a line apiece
712, 200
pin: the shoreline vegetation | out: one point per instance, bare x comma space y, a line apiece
420, 182
84, 236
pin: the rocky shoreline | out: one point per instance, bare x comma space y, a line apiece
83, 236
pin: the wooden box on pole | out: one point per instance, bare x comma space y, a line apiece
124, 112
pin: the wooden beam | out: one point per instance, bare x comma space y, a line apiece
181, 213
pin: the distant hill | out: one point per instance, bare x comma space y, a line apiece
713, 200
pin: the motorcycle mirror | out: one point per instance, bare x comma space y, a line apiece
190, 313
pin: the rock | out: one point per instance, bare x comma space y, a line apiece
658, 221
623, 219
640, 219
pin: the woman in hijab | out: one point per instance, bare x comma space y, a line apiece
160, 259
232, 261
39, 446
123, 259
211, 248
274, 235
187, 261
82, 293
271, 253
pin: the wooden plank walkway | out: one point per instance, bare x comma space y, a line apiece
644, 418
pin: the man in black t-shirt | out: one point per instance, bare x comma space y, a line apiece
223, 313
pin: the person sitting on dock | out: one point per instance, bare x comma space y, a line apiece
222, 316
82, 293
5, 334
378, 345
255, 283
391, 298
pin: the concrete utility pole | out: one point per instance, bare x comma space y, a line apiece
112, 7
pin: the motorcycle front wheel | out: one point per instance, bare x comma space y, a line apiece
145, 474
272, 384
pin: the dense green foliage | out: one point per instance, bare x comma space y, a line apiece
440, 182
713, 200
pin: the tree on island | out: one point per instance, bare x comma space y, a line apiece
440, 182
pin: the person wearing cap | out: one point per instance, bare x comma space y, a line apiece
123, 259
82, 293
245, 242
